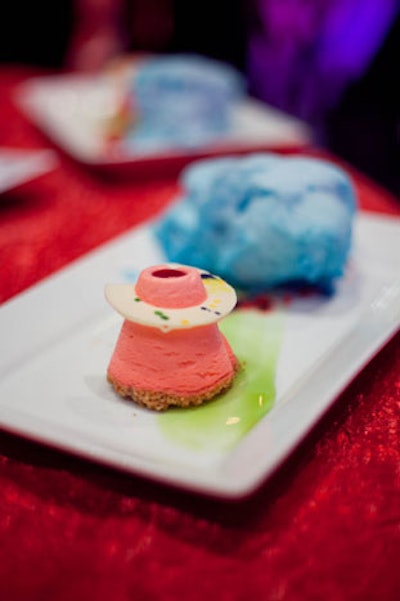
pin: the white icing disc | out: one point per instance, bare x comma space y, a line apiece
219, 302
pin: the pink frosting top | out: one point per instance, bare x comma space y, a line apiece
171, 287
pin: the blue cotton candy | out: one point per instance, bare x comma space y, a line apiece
183, 100
262, 220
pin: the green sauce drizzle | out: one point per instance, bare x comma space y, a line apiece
255, 337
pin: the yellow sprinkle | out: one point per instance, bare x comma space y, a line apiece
215, 303
214, 285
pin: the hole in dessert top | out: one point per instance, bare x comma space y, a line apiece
171, 287
168, 273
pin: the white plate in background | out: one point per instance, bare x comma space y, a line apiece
18, 166
72, 111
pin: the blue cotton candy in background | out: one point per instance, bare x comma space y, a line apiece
262, 220
183, 100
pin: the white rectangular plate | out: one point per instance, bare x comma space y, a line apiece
57, 339
18, 166
73, 109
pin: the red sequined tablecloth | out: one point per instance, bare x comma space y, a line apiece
325, 526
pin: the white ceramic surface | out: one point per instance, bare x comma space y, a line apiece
57, 339
18, 166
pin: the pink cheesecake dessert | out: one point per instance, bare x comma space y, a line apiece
170, 351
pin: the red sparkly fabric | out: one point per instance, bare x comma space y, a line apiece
326, 526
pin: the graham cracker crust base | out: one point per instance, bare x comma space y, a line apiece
159, 401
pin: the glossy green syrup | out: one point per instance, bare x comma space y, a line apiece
255, 337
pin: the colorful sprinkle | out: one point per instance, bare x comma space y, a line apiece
161, 315
216, 285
